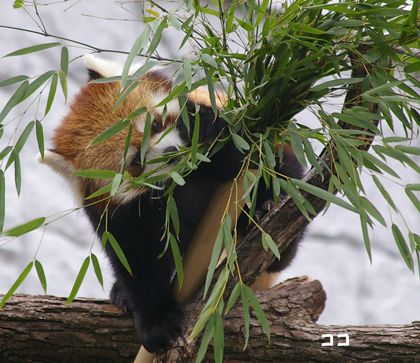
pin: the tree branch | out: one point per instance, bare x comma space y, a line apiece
44, 329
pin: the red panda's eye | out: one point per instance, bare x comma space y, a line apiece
155, 127
136, 160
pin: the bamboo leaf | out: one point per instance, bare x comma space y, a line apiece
6, 151
199, 325
415, 187
116, 184
118, 251
177, 178
381, 165
18, 173
329, 197
372, 210
240, 143
17, 283
403, 247
18, 4
174, 93
208, 335
96, 174
64, 61
408, 149
218, 290
364, 222
311, 156
217, 249
384, 87
196, 136
79, 279
110, 132
13, 80
26, 227
24, 136
258, 310
101, 191
412, 68
383, 46
412, 239
245, 309
2, 200
301, 27
413, 198
40, 138
296, 142
269, 155
384, 193
187, 71
173, 213
219, 338
248, 27
158, 35
33, 49
234, 296
269, 243
51, 94
63, 82
177, 258
97, 268
41, 275
35, 85
139, 44
146, 137
337, 83
297, 196
208, 60
174, 21
14, 100
210, 86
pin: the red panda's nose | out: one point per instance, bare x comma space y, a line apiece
170, 149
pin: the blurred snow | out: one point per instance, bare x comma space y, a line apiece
333, 250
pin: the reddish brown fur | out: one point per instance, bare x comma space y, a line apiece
91, 112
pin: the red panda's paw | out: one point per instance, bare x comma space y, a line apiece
118, 297
262, 210
160, 329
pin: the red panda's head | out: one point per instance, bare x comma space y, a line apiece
92, 112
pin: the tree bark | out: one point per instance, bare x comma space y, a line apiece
44, 329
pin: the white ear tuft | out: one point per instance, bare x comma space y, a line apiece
107, 68
104, 67
64, 167
57, 162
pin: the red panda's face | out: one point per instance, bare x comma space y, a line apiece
92, 112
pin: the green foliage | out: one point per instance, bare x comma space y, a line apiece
272, 62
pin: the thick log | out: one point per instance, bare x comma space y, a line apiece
44, 329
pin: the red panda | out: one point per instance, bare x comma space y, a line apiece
137, 218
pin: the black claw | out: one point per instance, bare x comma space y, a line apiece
118, 298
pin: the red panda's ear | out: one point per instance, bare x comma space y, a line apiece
94, 75
101, 68
57, 162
